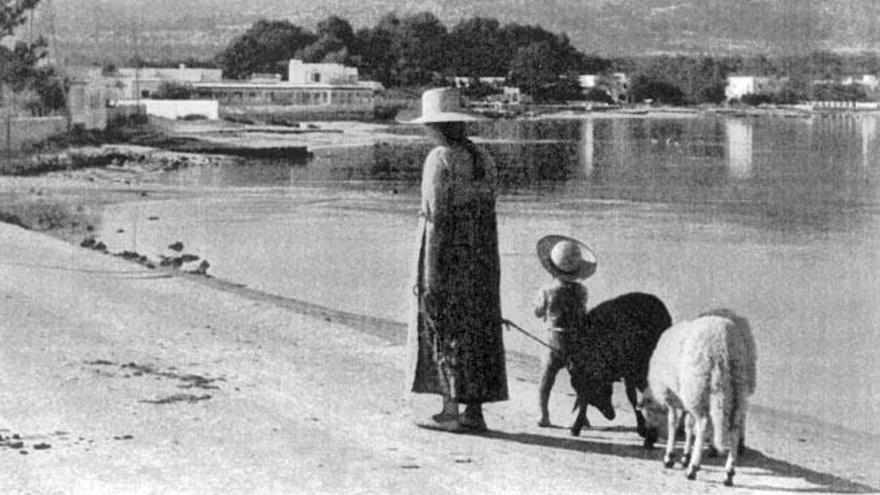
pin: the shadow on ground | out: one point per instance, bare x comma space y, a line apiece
826, 483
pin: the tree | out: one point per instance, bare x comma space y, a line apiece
338, 28
266, 47
50, 89
14, 14
478, 44
374, 50
599, 95
420, 45
334, 44
17, 63
326, 47
532, 68
645, 88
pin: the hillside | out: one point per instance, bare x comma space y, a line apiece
94, 30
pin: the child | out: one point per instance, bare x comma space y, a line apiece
562, 304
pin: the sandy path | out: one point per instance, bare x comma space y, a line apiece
140, 382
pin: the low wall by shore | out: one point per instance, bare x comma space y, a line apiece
18, 133
310, 112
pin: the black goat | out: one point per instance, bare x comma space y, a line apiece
616, 342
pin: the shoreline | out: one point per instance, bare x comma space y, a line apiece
787, 449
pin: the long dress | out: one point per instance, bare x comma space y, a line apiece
455, 336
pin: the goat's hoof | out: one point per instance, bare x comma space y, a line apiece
691, 473
575, 432
668, 463
685, 459
545, 423
651, 436
728, 481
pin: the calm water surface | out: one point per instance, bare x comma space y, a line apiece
776, 218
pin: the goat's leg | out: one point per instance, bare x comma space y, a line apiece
741, 444
697, 431
671, 421
649, 434
634, 400
732, 454
687, 452
736, 447
581, 420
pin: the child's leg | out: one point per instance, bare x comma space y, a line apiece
553, 361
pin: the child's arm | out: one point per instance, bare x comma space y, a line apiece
541, 304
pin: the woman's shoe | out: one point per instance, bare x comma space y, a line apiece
472, 419
444, 417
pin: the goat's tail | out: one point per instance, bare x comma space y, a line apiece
722, 404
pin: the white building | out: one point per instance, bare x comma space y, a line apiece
588, 81
868, 81
176, 109
130, 83
299, 72
615, 84
310, 89
739, 86
491, 81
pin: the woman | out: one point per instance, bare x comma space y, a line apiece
454, 341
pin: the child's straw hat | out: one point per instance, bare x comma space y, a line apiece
566, 258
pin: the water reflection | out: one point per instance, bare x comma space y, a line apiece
869, 137
586, 147
778, 173
739, 148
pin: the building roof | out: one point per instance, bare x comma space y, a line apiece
262, 85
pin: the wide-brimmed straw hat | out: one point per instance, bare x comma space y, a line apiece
566, 258
443, 105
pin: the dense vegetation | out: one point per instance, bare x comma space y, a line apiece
417, 50
19, 68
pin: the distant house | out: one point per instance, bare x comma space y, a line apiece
868, 81
741, 85
588, 81
133, 83
299, 72
309, 89
510, 95
615, 84
491, 81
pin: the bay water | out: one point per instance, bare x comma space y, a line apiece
776, 218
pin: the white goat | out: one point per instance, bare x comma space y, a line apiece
705, 369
